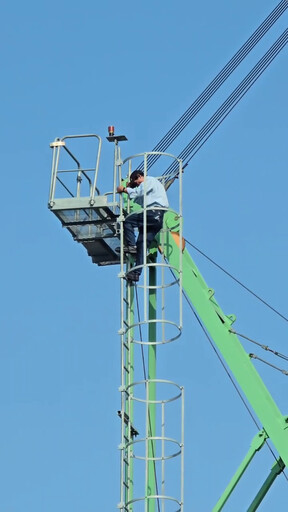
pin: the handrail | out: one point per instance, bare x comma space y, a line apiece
80, 172
61, 142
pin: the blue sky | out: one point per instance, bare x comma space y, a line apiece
76, 68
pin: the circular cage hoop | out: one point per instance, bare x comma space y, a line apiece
144, 383
159, 322
172, 227
146, 155
168, 225
167, 440
159, 286
155, 497
147, 209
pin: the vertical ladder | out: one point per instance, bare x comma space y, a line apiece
146, 401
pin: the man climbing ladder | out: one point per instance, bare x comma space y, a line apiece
150, 194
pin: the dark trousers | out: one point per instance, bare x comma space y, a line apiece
153, 225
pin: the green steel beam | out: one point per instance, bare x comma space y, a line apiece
151, 428
276, 469
257, 443
129, 472
219, 327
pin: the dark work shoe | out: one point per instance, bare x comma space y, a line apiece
132, 276
130, 249
127, 249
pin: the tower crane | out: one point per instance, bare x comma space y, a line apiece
96, 221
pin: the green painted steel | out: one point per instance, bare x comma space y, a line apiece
151, 482
219, 326
129, 476
257, 443
217, 323
277, 468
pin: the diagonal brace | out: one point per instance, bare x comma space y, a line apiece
256, 445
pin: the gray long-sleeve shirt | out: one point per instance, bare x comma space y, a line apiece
154, 191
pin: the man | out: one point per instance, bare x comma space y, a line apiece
156, 198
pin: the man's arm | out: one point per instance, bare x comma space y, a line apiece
128, 189
122, 189
139, 192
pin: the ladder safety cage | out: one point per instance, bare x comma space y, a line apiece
169, 275
152, 463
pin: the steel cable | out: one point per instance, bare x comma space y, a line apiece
261, 345
237, 281
231, 378
222, 76
230, 102
228, 373
253, 356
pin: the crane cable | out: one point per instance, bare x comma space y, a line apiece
228, 373
261, 345
226, 107
237, 281
253, 356
216, 83
219, 357
240, 395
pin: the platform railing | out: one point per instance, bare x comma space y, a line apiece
80, 171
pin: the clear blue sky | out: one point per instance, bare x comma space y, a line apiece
72, 68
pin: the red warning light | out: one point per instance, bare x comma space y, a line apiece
111, 131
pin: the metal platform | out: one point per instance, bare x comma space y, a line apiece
95, 227
91, 220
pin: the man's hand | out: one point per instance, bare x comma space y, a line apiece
122, 189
